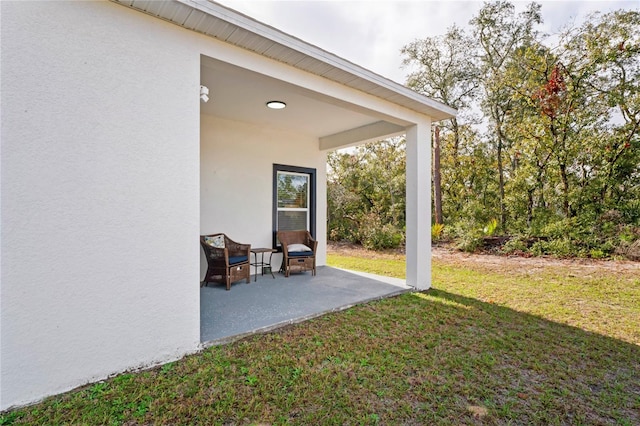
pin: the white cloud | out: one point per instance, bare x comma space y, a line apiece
371, 33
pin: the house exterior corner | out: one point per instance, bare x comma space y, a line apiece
112, 167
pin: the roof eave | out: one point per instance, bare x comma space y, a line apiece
230, 26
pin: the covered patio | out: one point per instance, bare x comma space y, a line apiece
327, 104
247, 150
270, 303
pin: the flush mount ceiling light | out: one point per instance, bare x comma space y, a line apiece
204, 93
276, 104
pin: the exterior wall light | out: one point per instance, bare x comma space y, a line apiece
276, 104
204, 93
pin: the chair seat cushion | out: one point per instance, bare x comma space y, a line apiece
234, 260
300, 253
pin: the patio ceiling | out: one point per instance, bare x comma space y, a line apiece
241, 95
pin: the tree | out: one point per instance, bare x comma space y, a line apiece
610, 45
500, 33
563, 116
444, 70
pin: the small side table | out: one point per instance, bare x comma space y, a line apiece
261, 264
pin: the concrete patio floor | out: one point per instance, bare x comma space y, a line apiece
269, 303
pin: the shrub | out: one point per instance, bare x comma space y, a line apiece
373, 235
490, 228
629, 250
467, 234
436, 231
633, 252
561, 247
384, 237
631, 211
470, 241
516, 244
558, 229
343, 232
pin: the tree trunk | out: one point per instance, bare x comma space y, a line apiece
503, 213
437, 186
565, 190
456, 141
501, 146
530, 192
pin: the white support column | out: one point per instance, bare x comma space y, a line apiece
419, 205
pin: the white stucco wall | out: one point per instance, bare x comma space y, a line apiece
100, 195
236, 186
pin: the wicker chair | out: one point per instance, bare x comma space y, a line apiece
296, 258
227, 260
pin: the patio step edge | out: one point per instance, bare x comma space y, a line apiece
262, 330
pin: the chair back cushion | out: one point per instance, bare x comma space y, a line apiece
216, 241
297, 248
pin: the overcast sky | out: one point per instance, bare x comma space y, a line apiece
371, 33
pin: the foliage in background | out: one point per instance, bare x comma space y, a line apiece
366, 194
546, 142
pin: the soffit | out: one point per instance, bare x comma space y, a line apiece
240, 94
232, 27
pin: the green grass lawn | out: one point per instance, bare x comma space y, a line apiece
481, 347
